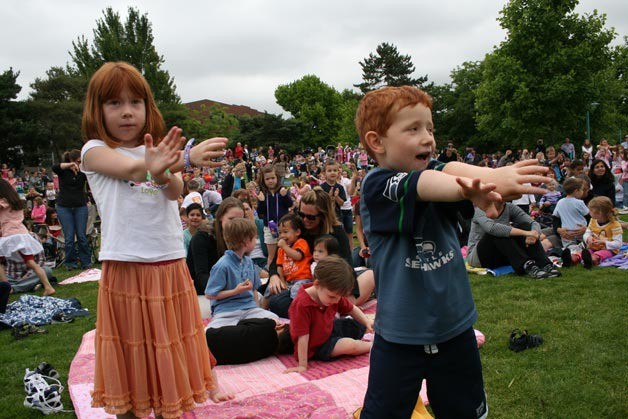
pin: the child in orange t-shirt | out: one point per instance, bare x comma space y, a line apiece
293, 253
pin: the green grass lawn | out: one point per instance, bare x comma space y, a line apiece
580, 371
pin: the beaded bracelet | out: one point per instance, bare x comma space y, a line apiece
149, 177
186, 155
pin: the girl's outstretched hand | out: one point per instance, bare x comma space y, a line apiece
509, 180
481, 194
165, 154
205, 153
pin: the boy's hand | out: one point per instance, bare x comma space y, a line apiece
281, 243
480, 194
205, 153
261, 196
244, 286
510, 179
295, 369
283, 191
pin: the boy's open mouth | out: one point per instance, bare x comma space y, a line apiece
423, 156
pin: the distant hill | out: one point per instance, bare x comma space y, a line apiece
237, 110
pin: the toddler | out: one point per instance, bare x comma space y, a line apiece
314, 330
293, 255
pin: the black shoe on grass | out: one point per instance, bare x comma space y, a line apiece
535, 272
566, 258
551, 271
587, 260
522, 340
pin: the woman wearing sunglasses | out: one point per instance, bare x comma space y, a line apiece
317, 210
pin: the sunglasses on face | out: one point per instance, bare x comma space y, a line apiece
308, 216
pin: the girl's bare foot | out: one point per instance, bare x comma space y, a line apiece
218, 396
49, 292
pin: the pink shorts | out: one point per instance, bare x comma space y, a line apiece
603, 254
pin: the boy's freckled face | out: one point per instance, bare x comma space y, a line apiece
409, 142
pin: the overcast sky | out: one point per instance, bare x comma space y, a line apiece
239, 51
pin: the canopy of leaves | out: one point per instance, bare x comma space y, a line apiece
131, 42
267, 129
540, 81
316, 105
387, 67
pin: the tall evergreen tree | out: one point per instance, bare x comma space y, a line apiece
387, 67
131, 42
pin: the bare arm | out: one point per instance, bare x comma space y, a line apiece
508, 179
302, 344
361, 318
289, 251
242, 287
442, 187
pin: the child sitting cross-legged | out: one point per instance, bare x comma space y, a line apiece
233, 280
314, 330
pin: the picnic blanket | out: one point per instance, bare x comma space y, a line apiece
85, 276
326, 390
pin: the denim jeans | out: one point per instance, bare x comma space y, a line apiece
74, 223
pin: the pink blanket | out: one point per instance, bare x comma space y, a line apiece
326, 390
85, 276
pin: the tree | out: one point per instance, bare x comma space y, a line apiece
131, 42
55, 109
347, 133
315, 104
11, 113
454, 109
387, 68
257, 131
539, 82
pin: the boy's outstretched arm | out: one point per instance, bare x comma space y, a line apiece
437, 186
302, 344
509, 180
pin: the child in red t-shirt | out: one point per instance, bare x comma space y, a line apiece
314, 330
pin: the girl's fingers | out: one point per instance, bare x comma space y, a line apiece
148, 141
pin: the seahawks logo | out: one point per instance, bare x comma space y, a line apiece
392, 186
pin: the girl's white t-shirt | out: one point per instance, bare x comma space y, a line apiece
139, 224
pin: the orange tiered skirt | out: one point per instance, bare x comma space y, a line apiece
151, 352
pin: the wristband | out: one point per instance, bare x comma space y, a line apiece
186, 154
164, 185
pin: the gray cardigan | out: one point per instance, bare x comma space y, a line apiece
498, 227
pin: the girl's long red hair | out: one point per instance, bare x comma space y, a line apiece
107, 83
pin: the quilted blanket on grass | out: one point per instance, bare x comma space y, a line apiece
326, 390
40, 310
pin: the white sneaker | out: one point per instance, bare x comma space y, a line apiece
47, 401
35, 382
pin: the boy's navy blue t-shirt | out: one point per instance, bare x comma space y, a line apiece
423, 292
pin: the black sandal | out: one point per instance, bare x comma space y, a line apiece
522, 340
